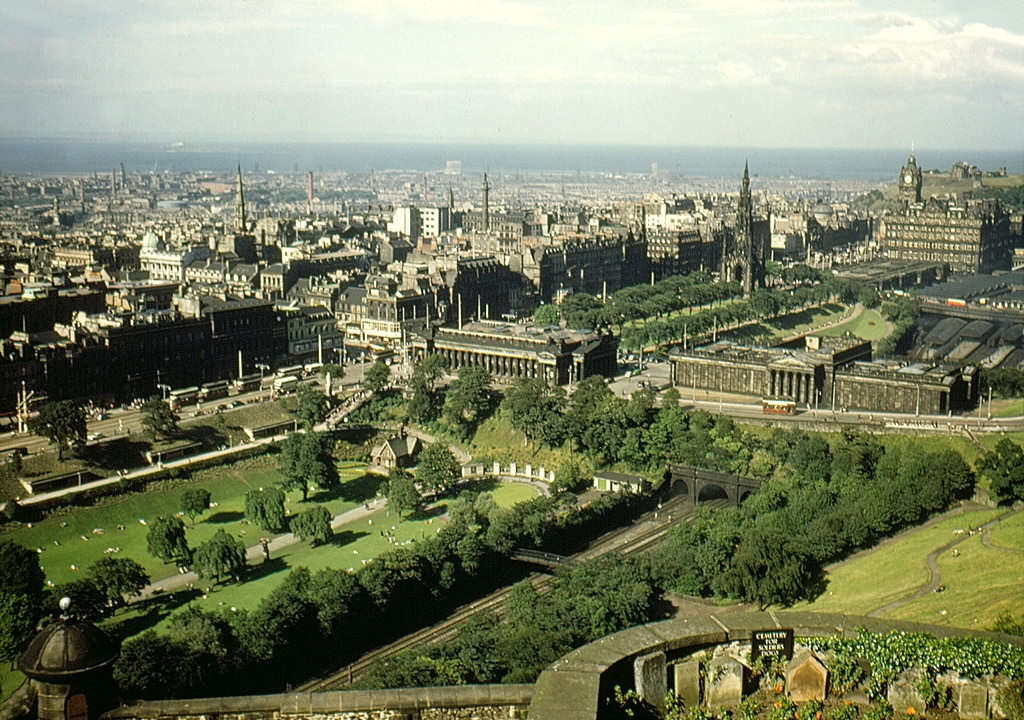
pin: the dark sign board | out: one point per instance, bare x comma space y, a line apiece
777, 641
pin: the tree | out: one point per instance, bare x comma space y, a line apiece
63, 423
438, 470
313, 525
432, 368
377, 377
194, 502
220, 555
535, 409
401, 491
547, 315
421, 405
158, 418
468, 398
306, 462
166, 540
265, 508
117, 577
21, 594
312, 405
1004, 470
768, 568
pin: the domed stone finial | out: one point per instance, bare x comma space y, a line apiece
65, 603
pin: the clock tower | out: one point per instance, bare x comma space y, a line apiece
909, 182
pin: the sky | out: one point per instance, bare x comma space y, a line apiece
761, 73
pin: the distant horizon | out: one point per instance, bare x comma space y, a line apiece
85, 154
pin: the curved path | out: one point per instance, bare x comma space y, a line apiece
931, 562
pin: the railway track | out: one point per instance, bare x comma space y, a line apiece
637, 537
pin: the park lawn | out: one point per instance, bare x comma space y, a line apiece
1007, 407
10, 680
353, 542
807, 320
1009, 533
227, 486
869, 325
981, 583
508, 494
496, 440
891, 570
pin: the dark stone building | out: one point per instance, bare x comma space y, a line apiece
827, 373
970, 236
509, 351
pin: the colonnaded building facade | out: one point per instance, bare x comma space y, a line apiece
514, 350
827, 373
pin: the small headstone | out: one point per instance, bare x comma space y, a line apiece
650, 677
903, 693
806, 677
972, 701
726, 680
687, 682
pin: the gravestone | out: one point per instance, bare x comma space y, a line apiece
726, 679
806, 677
903, 693
650, 678
687, 682
972, 701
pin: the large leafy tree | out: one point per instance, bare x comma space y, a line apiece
158, 419
1004, 470
63, 423
220, 555
166, 540
438, 470
312, 405
306, 462
264, 507
535, 409
377, 377
468, 399
21, 594
401, 492
767, 567
194, 502
118, 577
313, 525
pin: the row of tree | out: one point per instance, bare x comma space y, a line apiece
314, 619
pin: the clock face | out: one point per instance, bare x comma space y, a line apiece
908, 178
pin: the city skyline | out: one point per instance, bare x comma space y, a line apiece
808, 73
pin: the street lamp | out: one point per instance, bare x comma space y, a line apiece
164, 389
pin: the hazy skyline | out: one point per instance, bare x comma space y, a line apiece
800, 73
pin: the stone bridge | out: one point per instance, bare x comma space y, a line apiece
700, 485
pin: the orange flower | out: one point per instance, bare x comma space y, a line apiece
778, 704
911, 711
778, 688
817, 715
848, 702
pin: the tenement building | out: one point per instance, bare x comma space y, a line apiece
513, 350
972, 236
830, 373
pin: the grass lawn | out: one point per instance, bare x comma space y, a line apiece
869, 325
1009, 407
895, 569
981, 583
353, 543
227, 486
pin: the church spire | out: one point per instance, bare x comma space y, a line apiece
239, 204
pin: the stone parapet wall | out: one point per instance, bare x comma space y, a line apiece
572, 687
483, 702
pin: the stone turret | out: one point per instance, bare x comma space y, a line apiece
68, 666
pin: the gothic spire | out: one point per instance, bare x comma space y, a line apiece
239, 204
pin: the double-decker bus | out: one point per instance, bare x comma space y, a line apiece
181, 397
285, 385
247, 383
213, 390
771, 406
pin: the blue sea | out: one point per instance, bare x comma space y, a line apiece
53, 156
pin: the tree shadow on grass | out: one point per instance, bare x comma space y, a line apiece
358, 489
264, 569
225, 516
345, 537
115, 454
147, 613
